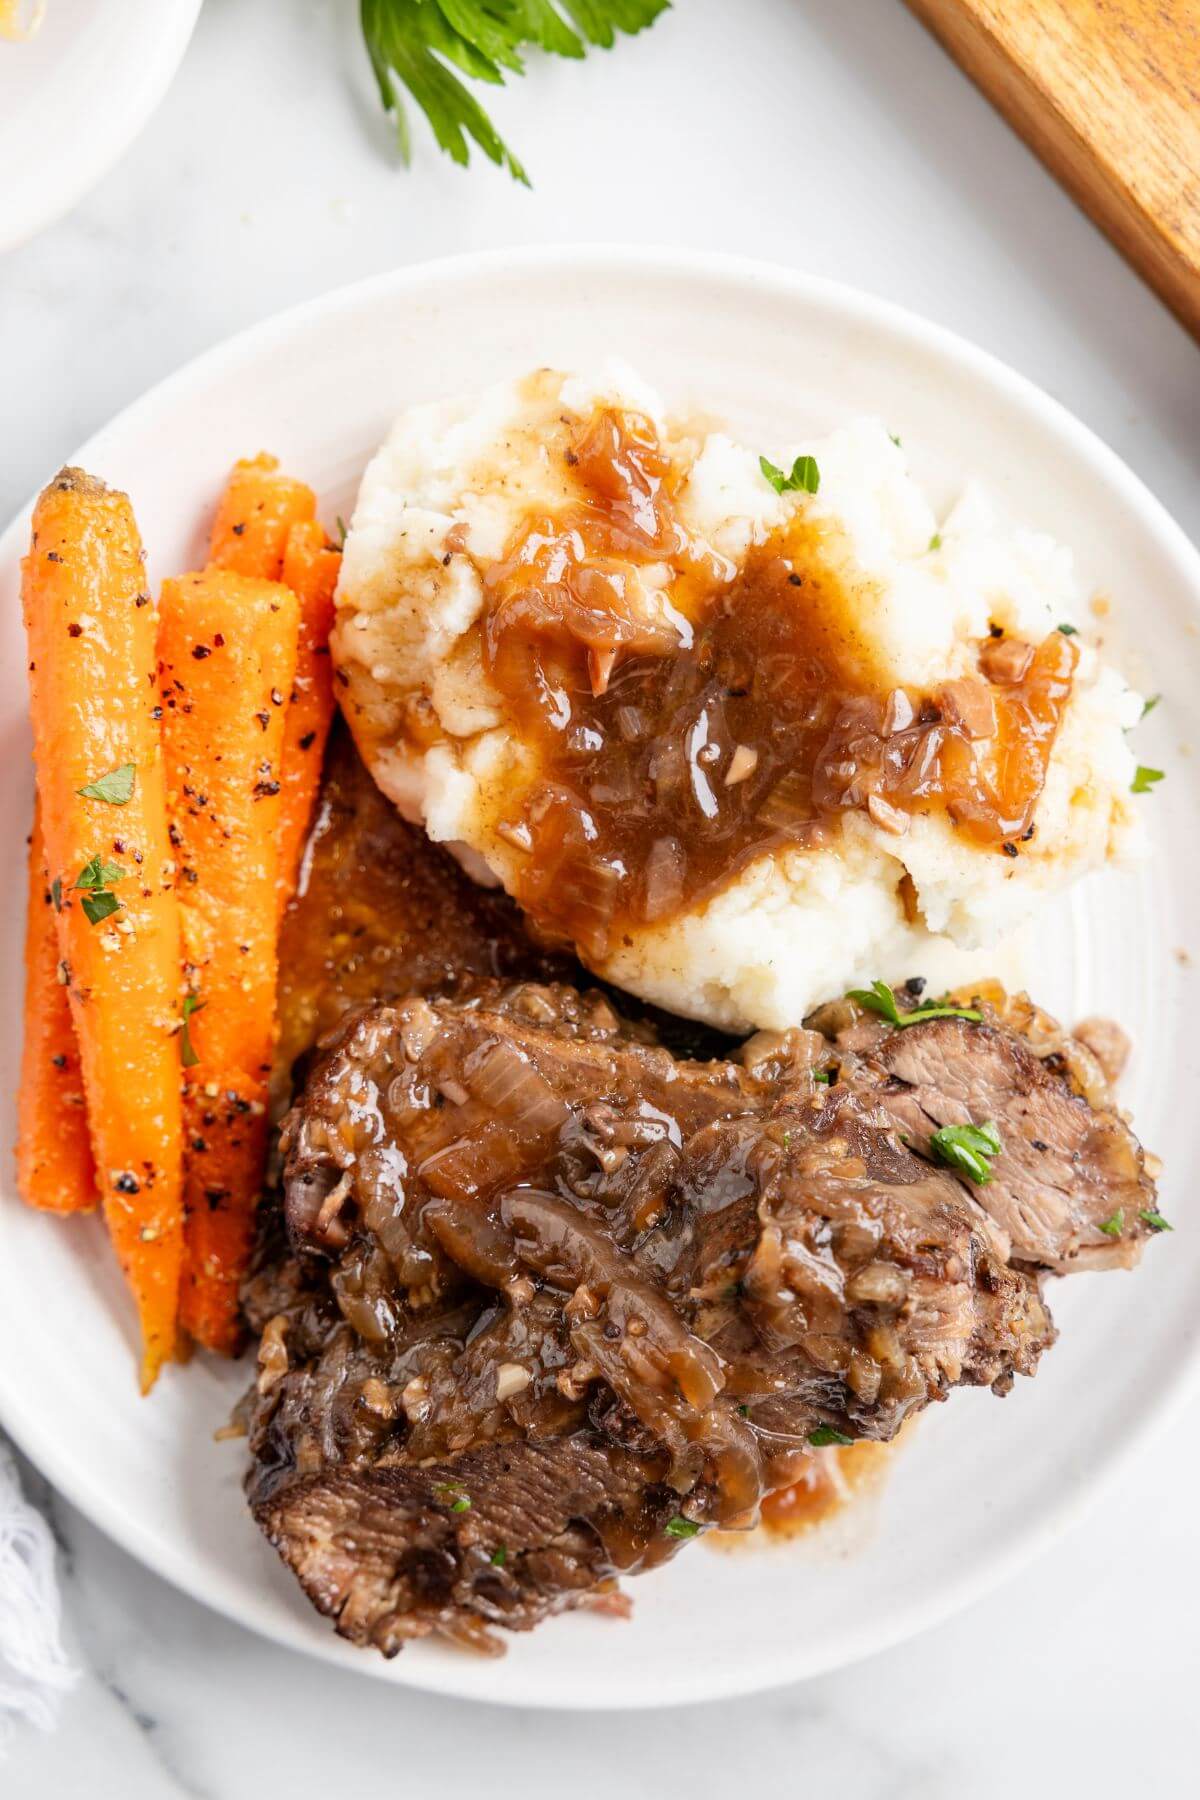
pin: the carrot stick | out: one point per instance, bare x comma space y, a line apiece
227, 663
254, 515
55, 1172
91, 631
310, 568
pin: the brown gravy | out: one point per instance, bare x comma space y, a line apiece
676, 743
384, 913
829, 1484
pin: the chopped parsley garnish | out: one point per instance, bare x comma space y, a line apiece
680, 1527
192, 1003
824, 1076
97, 874
935, 542
1155, 1221
341, 525
879, 998
452, 1491
56, 892
743, 1412
1150, 704
499, 1556
825, 1435
418, 43
1115, 1226
1144, 779
99, 906
116, 787
95, 879
805, 477
1069, 630
967, 1149
895, 440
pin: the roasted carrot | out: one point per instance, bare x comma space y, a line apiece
227, 655
310, 568
54, 1158
254, 515
91, 629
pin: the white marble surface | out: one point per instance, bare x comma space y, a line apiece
833, 135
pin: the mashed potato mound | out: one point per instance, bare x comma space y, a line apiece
442, 503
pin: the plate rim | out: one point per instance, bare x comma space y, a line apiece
695, 1685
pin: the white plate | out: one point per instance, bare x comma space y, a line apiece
984, 1484
75, 95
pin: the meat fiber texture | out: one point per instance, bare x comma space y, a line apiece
556, 1300
454, 482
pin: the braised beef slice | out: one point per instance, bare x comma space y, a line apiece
604, 1296
1067, 1170
503, 1535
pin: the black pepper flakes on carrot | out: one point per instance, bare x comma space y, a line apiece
222, 761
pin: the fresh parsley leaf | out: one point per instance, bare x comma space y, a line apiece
95, 879
879, 998
1144, 779
823, 1076
825, 1434
499, 1556
805, 477
99, 906
453, 1491
413, 43
1115, 1226
116, 787
1155, 1221
935, 542
96, 874
192, 1004
679, 1527
1150, 704
1069, 630
967, 1149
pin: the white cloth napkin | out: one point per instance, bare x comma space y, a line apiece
34, 1670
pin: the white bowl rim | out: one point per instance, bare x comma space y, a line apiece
695, 1684
112, 132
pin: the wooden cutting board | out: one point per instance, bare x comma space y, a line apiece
1107, 92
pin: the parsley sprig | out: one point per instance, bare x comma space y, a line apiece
679, 1527
189, 1056
805, 476
879, 998
824, 1435
94, 881
115, 788
417, 44
968, 1150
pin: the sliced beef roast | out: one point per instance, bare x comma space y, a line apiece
556, 1300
